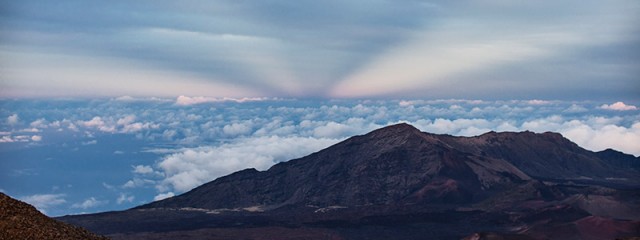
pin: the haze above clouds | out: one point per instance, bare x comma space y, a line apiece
436, 49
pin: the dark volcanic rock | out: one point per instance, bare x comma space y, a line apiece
19, 220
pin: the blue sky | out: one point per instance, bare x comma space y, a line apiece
105, 105
322, 49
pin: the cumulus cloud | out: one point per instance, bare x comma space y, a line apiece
126, 120
163, 196
618, 106
44, 201
98, 123
194, 166
598, 138
350, 127
89, 203
20, 139
142, 169
125, 124
40, 123
6, 139
13, 119
593, 133
236, 129
124, 198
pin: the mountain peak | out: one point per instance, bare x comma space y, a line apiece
395, 131
399, 128
399, 164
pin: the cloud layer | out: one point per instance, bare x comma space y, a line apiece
140, 149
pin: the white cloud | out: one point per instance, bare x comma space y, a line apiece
98, 123
40, 123
194, 166
30, 130
125, 124
6, 139
186, 101
142, 169
108, 186
13, 119
593, 133
163, 196
331, 129
141, 99
44, 201
89, 203
575, 108
347, 128
538, 102
137, 182
124, 198
137, 126
461, 127
90, 142
596, 138
126, 120
236, 129
619, 106
19, 138
36, 138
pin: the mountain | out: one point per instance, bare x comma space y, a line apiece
399, 182
19, 220
401, 165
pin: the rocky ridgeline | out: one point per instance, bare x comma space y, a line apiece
19, 220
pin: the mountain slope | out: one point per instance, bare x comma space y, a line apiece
19, 220
394, 165
401, 165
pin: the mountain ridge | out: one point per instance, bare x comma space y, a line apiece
438, 156
19, 220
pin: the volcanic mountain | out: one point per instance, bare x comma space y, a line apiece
399, 182
19, 220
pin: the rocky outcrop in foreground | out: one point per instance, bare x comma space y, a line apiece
19, 220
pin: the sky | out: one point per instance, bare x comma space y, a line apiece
106, 105
486, 49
